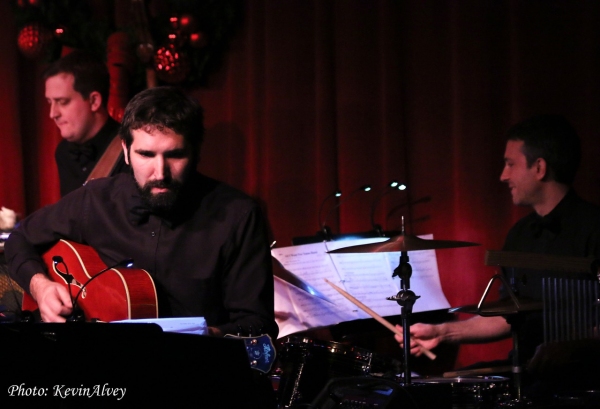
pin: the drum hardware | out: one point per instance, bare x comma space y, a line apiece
475, 392
308, 364
507, 309
477, 371
569, 306
405, 297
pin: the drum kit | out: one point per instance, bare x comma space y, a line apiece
309, 368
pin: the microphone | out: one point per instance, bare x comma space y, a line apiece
324, 228
393, 186
77, 314
56, 260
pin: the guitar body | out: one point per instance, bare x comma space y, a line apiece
117, 294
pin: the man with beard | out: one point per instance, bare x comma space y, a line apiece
204, 243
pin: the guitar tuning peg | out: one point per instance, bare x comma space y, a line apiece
239, 330
250, 331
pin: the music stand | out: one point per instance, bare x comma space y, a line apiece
156, 367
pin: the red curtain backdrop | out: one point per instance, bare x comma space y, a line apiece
318, 95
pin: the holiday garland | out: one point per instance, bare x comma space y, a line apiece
183, 41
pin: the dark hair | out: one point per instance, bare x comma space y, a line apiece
552, 138
90, 73
165, 107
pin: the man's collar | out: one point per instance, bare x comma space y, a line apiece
551, 221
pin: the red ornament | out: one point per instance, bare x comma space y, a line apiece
32, 39
170, 64
187, 23
25, 3
60, 31
174, 21
177, 38
198, 39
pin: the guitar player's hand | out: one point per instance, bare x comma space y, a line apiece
52, 298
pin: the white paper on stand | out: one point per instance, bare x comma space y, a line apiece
181, 325
366, 276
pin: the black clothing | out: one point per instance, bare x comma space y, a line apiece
75, 162
572, 228
209, 257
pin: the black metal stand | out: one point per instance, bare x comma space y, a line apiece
519, 401
406, 299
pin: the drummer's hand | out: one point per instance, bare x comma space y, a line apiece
426, 334
52, 298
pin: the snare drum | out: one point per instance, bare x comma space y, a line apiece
307, 365
476, 392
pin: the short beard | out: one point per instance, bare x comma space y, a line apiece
160, 202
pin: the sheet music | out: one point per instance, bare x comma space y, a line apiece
366, 276
181, 325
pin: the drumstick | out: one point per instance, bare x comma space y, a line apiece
379, 318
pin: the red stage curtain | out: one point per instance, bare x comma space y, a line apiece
318, 95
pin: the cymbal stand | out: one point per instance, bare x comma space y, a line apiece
515, 327
406, 299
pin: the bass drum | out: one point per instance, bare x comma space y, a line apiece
475, 392
307, 365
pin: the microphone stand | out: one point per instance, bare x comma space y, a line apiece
324, 229
392, 187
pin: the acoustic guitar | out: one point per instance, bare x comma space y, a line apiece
102, 293
113, 294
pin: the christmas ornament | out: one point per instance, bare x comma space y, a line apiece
59, 31
32, 39
171, 65
177, 38
198, 39
174, 21
187, 23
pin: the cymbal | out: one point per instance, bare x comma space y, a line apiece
403, 243
499, 308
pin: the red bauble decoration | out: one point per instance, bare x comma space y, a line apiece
187, 23
176, 38
25, 3
174, 21
170, 64
32, 39
198, 39
60, 31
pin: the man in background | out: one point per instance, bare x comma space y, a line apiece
77, 87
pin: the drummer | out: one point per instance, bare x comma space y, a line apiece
540, 162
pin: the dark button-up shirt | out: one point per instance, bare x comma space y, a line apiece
209, 258
572, 228
76, 162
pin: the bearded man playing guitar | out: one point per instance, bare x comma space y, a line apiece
203, 242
